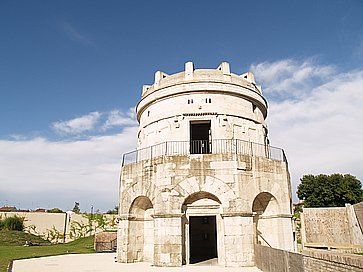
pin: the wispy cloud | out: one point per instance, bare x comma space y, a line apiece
117, 118
291, 78
75, 35
77, 125
17, 137
95, 123
358, 50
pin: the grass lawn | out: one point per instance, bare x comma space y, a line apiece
11, 247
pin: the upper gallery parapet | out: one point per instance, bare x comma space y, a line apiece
221, 74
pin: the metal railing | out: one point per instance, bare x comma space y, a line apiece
220, 146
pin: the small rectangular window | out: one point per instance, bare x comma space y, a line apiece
254, 107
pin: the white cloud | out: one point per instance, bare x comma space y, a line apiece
40, 172
77, 125
95, 122
117, 118
291, 78
319, 126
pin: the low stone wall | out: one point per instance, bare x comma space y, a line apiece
358, 209
332, 227
105, 241
276, 260
319, 260
63, 227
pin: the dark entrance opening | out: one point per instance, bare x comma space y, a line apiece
202, 238
200, 135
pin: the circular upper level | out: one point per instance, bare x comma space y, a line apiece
217, 96
219, 80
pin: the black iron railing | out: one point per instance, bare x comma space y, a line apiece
220, 146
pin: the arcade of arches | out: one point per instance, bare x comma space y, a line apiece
202, 231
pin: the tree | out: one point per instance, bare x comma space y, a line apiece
329, 190
55, 210
114, 211
76, 208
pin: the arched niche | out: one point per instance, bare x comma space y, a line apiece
200, 199
141, 230
265, 209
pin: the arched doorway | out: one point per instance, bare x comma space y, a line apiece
201, 228
265, 209
141, 230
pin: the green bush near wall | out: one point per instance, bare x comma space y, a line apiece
12, 223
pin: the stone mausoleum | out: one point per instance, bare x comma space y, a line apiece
204, 182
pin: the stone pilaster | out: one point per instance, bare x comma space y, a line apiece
122, 238
167, 240
238, 239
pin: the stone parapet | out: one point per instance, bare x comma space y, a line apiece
276, 260
319, 260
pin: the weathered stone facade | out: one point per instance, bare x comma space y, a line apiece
337, 228
277, 260
204, 182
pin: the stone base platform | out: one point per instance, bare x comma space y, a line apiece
105, 262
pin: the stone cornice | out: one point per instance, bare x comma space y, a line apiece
237, 214
167, 215
283, 215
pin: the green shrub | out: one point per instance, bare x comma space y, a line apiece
12, 223
55, 210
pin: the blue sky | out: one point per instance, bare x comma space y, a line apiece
71, 70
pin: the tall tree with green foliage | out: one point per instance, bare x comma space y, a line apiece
329, 190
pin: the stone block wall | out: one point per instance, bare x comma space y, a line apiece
53, 226
358, 210
105, 241
168, 240
249, 195
238, 239
320, 261
331, 227
276, 260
